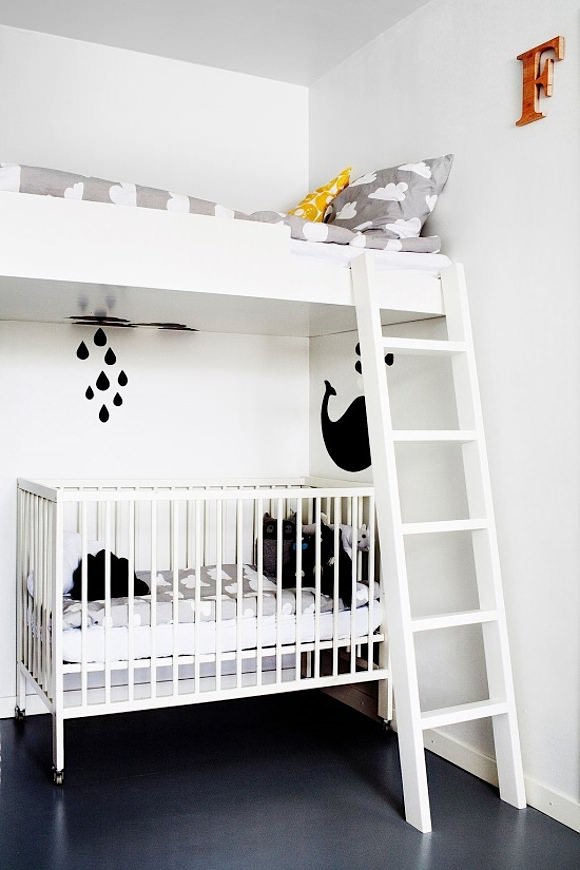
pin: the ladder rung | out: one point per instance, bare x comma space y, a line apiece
434, 527
453, 435
462, 713
452, 620
430, 347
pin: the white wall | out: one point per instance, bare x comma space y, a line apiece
447, 80
196, 405
236, 139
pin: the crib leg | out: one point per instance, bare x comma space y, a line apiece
57, 748
385, 701
20, 708
385, 696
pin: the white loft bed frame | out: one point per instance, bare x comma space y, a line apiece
62, 260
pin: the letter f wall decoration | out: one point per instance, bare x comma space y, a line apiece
536, 76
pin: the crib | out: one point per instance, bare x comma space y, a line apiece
250, 589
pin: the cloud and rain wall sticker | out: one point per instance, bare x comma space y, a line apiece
108, 379
347, 439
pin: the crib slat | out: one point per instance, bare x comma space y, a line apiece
353, 502
153, 619
337, 516
370, 579
175, 569
84, 603
197, 606
108, 550
56, 578
298, 617
260, 601
279, 592
317, 585
133, 532
239, 587
218, 591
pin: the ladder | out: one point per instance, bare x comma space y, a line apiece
402, 627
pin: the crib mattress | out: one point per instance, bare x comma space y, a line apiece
244, 621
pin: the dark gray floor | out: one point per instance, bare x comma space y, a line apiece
296, 782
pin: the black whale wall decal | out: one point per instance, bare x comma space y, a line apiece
346, 439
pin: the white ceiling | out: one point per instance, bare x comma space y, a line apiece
290, 40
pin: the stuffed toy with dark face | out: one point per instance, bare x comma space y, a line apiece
95, 582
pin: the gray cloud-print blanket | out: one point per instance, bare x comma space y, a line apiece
188, 583
67, 185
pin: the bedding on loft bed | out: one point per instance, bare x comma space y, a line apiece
383, 210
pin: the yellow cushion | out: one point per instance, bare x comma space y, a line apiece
313, 206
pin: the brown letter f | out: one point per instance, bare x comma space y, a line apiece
534, 79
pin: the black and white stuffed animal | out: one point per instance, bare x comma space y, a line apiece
96, 578
307, 545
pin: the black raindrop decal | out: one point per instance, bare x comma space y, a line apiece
100, 338
358, 366
82, 351
103, 383
389, 359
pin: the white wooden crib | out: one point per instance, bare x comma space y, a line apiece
221, 620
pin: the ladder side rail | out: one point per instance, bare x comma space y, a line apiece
485, 548
392, 549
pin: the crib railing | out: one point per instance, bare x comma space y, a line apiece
170, 534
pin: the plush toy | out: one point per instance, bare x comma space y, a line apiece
308, 554
328, 557
270, 549
346, 535
95, 582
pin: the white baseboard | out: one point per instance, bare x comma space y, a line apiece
558, 806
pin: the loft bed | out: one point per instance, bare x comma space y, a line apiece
65, 259
68, 261
62, 260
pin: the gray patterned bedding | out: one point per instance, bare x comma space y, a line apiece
18, 178
188, 584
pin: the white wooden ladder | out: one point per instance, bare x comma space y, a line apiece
412, 721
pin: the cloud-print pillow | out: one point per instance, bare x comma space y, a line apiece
396, 201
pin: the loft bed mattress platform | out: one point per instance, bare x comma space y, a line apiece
65, 260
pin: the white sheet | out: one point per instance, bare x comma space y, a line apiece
118, 638
343, 255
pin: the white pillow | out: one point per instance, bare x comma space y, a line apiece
71, 556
